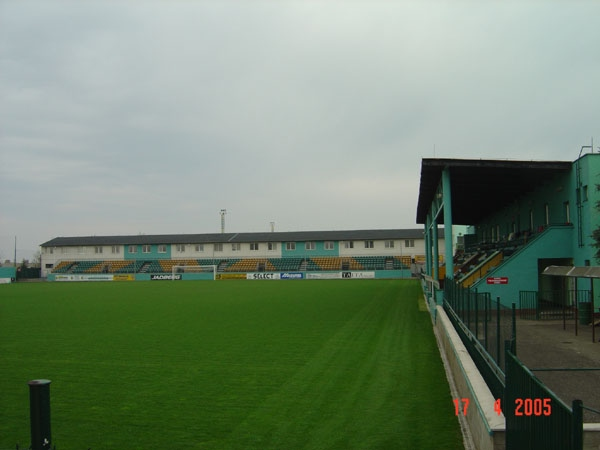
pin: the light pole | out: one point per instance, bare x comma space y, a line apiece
223, 212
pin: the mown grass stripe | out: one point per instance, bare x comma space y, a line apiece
221, 365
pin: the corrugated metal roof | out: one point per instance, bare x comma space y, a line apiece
573, 271
285, 236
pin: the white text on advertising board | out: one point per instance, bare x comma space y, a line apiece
263, 276
291, 276
165, 277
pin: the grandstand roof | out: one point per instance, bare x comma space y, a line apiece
286, 236
480, 187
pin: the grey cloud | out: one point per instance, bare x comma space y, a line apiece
313, 115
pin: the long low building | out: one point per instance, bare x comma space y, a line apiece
391, 249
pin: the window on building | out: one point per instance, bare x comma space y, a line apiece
98, 250
132, 249
254, 246
389, 244
328, 245
290, 246
146, 248
236, 247
369, 244
218, 247
309, 245
272, 246
116, 249
162, 248
349, 244
409, 243
199, 248
180, 248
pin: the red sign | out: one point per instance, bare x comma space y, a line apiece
497, 280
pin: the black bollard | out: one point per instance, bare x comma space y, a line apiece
39, 410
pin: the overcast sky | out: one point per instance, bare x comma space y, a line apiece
150, 117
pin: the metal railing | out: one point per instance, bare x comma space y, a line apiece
536, 418
484, 327
552, 304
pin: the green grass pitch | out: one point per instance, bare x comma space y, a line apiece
332, 364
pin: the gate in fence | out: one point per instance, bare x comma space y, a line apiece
549, 305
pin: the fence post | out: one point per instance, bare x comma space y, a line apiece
514, 328
476, 315
485, 324
39, 411
468, 292
497, 328
577, 443
576, 314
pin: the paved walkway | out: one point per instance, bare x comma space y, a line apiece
545, 344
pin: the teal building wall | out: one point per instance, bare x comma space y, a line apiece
8, 272
522, 269
301, 251
153, 254
570, 202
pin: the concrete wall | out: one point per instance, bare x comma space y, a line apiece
485, 425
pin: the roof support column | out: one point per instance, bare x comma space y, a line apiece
427, 247
447, 194
436, 250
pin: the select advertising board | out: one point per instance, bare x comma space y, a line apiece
263, 276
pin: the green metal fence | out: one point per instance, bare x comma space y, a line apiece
484, 325
490, 322
529, 307
554, 304
535, 417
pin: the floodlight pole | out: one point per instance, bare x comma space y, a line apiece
223, 212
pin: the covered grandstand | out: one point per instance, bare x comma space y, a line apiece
386, 253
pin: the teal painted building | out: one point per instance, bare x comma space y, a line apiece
385, 252
522, 216
8, 274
